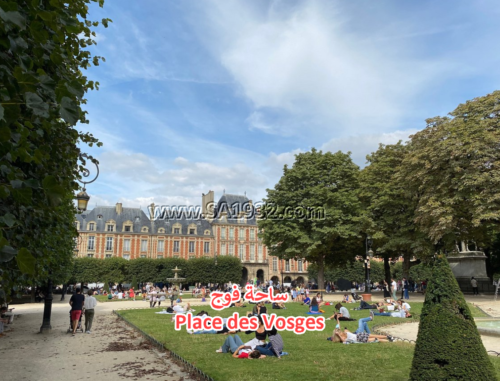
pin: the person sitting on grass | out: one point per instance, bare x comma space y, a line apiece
259, 309
234, 345
347, 299
343, 313
319, 300
238, 304
307, 300
314, 307
402, 313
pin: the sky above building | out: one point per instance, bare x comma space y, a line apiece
220, 94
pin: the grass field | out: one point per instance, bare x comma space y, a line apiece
311, 356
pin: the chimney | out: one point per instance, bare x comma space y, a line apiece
119, 208
208, 205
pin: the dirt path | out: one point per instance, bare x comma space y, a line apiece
111, 352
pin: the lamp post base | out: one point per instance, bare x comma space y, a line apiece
47, 310
45, 329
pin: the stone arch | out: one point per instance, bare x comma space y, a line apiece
244, 276
287, 279
260, 275
300, 280
275, 279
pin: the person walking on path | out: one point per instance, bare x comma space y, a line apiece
88, 306
406, 288
76, 303
473, 283
394, 289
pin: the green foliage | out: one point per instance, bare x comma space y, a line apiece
449, 346
317, 180
451, 169
134, 282
42, 88
119, 270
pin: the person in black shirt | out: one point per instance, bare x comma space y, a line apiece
76, 303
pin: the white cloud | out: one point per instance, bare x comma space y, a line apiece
362, 145
306, 63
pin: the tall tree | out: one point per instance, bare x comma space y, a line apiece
452, 167
390, 207
42, 89
313, 213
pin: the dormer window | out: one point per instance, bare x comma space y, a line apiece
192, 231
161, 230
177, 231
144, 229
127, 228
99, 217
91, 226
207, 232
110, 228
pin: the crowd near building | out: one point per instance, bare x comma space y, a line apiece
226, 228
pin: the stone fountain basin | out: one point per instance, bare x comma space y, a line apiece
488, 326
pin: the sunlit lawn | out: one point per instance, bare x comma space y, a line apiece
311, 356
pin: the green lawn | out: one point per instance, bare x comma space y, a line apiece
311, 356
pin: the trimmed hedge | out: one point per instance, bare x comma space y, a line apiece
448, 346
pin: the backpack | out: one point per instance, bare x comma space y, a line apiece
277, 344
170, 310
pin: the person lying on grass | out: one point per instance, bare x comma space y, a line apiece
234, 345
238, 304
278, 306
343, 313
403, 312
362, 337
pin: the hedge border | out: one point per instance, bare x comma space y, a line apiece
190, 368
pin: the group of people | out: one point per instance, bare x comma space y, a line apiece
81, 304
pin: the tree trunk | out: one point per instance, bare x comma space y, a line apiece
406, 265
387, 270
321, 272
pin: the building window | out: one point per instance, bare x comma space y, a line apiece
231, 233
176, 246
90, 255
126, 245
109, 255
287, 265
91, 227
299, 265
206, 247
191, 246
252, 252
161, 230
242, 252
192, 231
275, 264
144, 229
261, 258
126, 256
207, 232
222, 233
231, 249
91, 243
110, 228
223, 249
143, 256
127, 228
177, 231
144, 245
252, 234
161, 246
109, 243
159, 257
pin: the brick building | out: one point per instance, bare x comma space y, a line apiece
226, 228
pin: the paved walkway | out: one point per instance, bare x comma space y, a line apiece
112, 352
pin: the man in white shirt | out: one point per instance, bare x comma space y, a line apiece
120, 295
89, 306
343, 313
394, 288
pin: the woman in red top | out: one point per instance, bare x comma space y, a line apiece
131, 293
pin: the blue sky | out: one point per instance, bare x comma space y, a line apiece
219, 95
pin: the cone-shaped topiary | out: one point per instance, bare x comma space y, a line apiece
449, 346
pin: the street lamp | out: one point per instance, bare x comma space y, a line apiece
368, 256
82, 203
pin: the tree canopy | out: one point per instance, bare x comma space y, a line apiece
317, 181
42, 88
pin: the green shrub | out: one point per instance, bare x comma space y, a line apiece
449, 346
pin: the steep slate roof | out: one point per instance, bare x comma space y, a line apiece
140, 220
136, 215
233, 204
167, 224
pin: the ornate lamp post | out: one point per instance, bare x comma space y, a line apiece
368, 256
82, 202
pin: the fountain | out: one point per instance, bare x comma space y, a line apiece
176, 281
